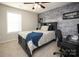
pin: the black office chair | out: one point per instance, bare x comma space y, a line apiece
65, 48
60, 44
59, 38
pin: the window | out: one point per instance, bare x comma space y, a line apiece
13, 22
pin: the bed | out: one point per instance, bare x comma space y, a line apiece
28, 41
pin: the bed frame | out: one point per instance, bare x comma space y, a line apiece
24, 45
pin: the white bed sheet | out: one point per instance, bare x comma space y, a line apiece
47, 36
23, 34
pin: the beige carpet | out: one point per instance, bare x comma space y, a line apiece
13, 49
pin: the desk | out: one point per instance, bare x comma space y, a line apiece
72, 45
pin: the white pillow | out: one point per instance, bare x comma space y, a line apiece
44, 28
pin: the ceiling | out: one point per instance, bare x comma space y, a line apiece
28, 7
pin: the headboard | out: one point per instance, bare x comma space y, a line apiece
54, 24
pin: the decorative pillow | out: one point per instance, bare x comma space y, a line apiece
50, 28
44, 28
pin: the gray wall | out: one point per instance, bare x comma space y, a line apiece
29, 22
67, 26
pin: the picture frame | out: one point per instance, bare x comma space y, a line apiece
71, 15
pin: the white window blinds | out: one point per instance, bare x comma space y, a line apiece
13, 22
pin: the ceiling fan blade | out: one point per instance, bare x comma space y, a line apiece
28, 3
45, 2
42, 6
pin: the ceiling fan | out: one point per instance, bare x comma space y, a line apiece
37, 4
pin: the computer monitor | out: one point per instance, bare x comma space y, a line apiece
78, 28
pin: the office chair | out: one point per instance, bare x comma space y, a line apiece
65, 48
59, 38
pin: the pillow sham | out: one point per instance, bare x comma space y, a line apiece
44, 28
50, 28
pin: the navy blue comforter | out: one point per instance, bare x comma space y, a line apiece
34, 37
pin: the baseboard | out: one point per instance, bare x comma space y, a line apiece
7, 40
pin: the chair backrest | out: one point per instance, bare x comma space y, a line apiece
59, 35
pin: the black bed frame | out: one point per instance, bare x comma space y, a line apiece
24, 45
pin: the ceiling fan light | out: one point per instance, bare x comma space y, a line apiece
33, 8
36, 5
39, 6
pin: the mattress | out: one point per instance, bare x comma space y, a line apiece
23, 34
48, 35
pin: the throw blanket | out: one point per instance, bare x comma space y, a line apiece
34, 37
